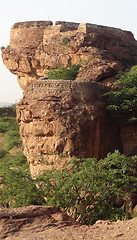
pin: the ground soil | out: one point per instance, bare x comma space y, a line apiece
48, 223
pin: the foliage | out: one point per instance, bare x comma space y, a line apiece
64, 73
17, 188
87, 189
8, 124
9, 127
8, 111
13, 139
123, 99
2, 153
65, 41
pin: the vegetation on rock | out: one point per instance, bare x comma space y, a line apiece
122, 100
65, 41
64, 73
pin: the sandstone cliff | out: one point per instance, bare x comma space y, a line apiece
65, 119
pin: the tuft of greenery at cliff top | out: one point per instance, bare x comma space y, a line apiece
64, 73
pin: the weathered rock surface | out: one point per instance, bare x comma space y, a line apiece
48, 223
59, 118
35, 47
65, 119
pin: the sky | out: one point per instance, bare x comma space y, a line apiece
114, 13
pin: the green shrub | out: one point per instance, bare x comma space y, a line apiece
123, 99
9, 126
3, 127
2, 153
13, 139
8, 111
65, 41
87, 189
19, 189
64, 73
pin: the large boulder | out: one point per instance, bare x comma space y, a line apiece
61, 119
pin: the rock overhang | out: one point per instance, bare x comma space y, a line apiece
37, 46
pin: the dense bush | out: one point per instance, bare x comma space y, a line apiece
9, 127
8, 124
87, 189
17, 188
123, 99
8, 111
64, 73
13, 139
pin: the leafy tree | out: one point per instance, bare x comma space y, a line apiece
87, 189
122, 100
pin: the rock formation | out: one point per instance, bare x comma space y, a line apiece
60, 119
35, 47
67, 118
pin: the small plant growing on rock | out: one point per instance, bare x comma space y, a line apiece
64, 41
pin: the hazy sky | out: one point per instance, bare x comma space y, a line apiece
115, 13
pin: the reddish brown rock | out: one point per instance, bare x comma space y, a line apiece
37, 46
63, 118
66, 118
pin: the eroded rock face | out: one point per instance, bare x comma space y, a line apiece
64, 117
37, 46
61, 119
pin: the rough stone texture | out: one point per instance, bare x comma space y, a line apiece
67, 120
48, 223
37, 46
63, 118
129, 139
